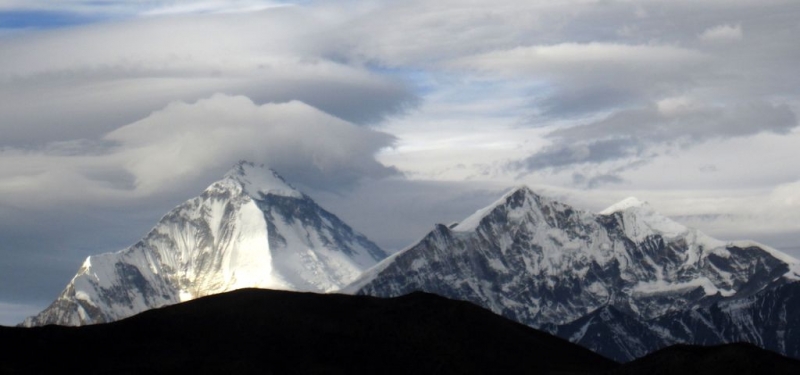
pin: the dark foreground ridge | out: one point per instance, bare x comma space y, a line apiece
264, 331
273, 332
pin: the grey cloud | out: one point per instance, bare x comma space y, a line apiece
109, 75
595, 181
13, 313
693, 123
568, 102
357, 102
43, 248
709, 168
759, 64
630, 133
563, 155
414, 207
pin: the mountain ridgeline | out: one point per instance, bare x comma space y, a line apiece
624, 282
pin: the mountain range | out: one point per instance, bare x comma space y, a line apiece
623, 282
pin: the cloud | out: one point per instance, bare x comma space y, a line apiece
414, 207
567, 57
667, 124
185, 144
581, 79
596, 181
12, 314
722, 33
637, 134
565, 154
614, 96
110, 74
303, 143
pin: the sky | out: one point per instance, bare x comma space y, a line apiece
394, 115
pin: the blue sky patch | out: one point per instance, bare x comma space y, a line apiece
23, 19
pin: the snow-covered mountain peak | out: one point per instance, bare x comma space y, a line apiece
258, 180
512, 199
640, 219
537, 260
250, 229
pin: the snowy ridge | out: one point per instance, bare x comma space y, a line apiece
472, 221
250, 229
641, 220
544, 263
773, 251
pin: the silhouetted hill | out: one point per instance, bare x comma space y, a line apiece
264, 331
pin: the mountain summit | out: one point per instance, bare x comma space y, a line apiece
546, 264
250, 229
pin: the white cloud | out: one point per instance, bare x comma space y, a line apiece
307, 145
568, 56
722, 33
674, 106
184, 143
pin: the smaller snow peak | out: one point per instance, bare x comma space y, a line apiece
641, 220
259, 180
511, 200
625, 204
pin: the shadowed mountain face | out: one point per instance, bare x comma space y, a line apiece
740, 359
263, 331
769, 319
